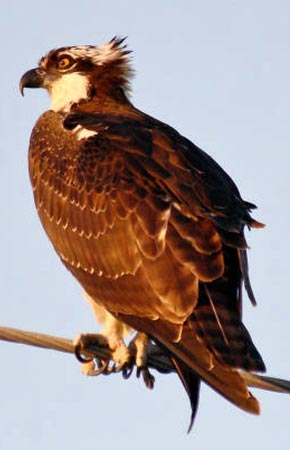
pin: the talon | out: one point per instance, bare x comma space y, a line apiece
82, 344
148, 379
127, 371
90, 368
78, 354
105, 369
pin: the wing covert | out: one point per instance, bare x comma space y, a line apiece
133, 204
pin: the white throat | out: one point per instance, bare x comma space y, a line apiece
69, 89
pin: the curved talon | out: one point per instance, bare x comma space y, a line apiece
103, 367
148, 379
109, 369
116, 368
80, 357
127, 371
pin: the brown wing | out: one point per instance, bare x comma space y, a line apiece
152, 228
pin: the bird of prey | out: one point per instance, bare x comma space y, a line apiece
148, 223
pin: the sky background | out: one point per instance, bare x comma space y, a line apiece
219, 72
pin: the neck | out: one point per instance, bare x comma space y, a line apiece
104, 103
68, 90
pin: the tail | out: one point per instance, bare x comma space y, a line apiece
194, 362
192, 359
191, 383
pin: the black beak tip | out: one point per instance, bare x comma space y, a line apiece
21, 89
22, 85
31, 79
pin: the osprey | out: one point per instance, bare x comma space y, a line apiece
149, 224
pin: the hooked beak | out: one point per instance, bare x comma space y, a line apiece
34, 78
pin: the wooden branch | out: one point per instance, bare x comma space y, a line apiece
36, 339
156, 359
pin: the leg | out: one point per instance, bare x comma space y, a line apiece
111, 343
139, 346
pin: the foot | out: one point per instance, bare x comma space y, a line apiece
114, 356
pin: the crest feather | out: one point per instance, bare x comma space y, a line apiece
114, 53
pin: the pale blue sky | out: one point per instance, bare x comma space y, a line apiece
219, 72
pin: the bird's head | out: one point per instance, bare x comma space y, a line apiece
75, 74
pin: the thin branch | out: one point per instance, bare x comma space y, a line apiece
36, 339
156, 359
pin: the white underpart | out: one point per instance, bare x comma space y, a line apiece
69, 89
113, 329
113, 333
83, 133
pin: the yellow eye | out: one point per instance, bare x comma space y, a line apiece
64, 63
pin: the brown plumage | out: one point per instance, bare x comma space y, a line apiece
148, 223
